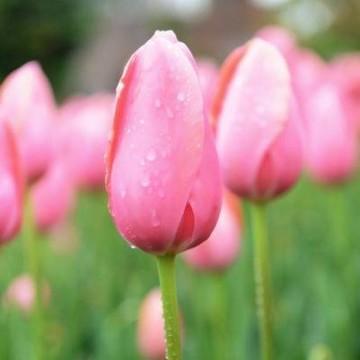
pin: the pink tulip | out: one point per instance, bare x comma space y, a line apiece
28, 99
21, 293
163, 177
330, 139
281, 38
257, 127
53, 196
346, 72
222, 247
11, 184
208, 76
85, 123
150, 332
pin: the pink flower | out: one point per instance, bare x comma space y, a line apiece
281, 38
163, 176
21, 293
53, 196
258, 134
346, 72
11, 184
222, 248
150, 332
27, 97
331, 142
208, 76
85, 123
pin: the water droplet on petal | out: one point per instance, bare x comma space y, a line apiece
157, 103
169, 113
151, 155
181, 96
154, 218
145, 181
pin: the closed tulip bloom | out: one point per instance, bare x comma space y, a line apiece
258, 133
27, 96
150, 329
163, 176
281, 38
346, 72
11, 184
222, 248
208, 76
53, 196
21, 293
85, 123
331, 140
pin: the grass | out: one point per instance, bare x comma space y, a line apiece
97, 287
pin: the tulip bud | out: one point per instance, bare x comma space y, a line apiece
150, 328
11, 184
258, 134
27, 97
208, 76
85, 123
163, 176
151, 335
346, 72
21, 293
281, 38
53, 196
222, 248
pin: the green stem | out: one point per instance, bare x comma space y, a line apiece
262, 278
166, 270
219, 317
32, 253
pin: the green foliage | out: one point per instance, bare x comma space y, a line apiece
41, 30
96, 290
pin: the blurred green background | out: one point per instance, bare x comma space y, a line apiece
98, 282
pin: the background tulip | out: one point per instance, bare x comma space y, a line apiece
21, 293
150, 329
27, 97
84, 127
162, 171
258, 133
208, 76
11, 184
53, 196
346, 73
222, 247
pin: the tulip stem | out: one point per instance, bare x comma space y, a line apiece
262, 278
166, 270
32, 253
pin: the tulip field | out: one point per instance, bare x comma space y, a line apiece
200, 210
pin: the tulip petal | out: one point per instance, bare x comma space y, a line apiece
157, 144
254, 112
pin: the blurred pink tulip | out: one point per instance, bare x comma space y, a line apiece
85, 124
27, 97
163, 176
208, 76
258, 131
150, 331
53, 196
21, 293
11, 184
222, 248
281, 38
331, 142
346, 72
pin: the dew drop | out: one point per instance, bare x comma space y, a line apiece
145, 182
161, 194
122, 193
151, 155
154, 219
157, 103
169, 113
181, 96
133, 247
